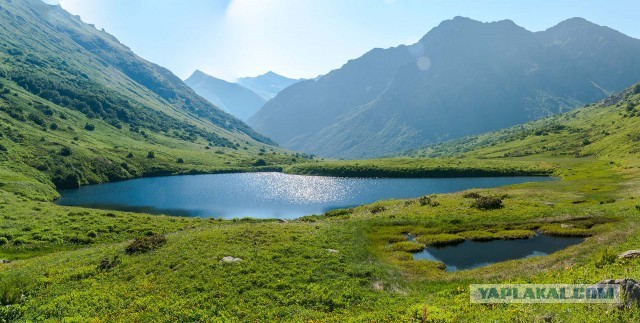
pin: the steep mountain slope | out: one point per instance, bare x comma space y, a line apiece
607, 129
267, 85
233, 98
82, 108
463, 77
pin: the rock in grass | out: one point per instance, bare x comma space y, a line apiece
630, 289
229, 259
630, 254
333, 250
4, 261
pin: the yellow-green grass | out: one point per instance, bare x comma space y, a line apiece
337, 267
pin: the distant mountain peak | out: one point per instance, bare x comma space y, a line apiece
232, 97
267, 85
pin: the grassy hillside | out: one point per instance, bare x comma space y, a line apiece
77, 264
605, 129
347, 265
77, 107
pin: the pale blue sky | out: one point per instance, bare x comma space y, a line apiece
305, 38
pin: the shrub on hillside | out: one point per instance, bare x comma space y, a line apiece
65, 151
146, 244
89, 127
260, 162
472, 195
428, 200
377, 209
487, 203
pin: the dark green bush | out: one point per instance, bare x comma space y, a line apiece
130, 155
65, 151
107, 264
180, 161
378, 209
428, 200
3, 241
487, 203
260, 162
151, 154
472, 195
145, 244
89, 127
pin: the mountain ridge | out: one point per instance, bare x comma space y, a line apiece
232, 97
462, 77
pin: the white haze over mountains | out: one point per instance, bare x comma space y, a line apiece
304, 39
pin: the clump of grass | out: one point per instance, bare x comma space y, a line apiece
428, 200
515, 234
477, 235
608, 201
605, 257
472, 195
3, 241
407, 246
558, 231
442, 239
106, 264
487, 203
377, 209
392, 238
146, 244
338, 212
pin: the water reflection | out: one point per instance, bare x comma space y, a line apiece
262, 195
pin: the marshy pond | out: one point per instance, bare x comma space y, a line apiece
473, 254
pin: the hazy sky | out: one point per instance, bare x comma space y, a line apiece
305, 38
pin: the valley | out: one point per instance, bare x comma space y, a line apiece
357, 239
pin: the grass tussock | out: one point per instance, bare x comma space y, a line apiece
439, 240
146, 244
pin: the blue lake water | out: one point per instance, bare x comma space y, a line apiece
473, 254
263, 195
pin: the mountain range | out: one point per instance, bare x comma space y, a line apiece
231, 97
242, 99
463, 77
267, 85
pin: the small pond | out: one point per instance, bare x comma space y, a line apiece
473, 254
263, 195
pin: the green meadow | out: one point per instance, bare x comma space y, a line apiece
75, 264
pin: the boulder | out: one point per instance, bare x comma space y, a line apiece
630, 254
4, 261
333, 250
628, 287
230, 259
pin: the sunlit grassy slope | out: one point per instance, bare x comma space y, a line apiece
78, 107
63, 89
349, 264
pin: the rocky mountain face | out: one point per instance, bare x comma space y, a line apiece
463, 77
